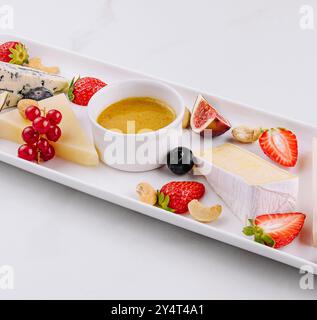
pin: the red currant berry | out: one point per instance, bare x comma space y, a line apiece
27, 152
29, 135
43, 145
54, 133
49, 154
41, 125
54, 117
32, 112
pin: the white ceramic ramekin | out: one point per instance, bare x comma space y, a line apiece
135, 152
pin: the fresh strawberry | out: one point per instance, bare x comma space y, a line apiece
175, 196
276, 230
13, 52
82, 89
280, 145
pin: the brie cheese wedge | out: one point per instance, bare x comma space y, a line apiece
248, 184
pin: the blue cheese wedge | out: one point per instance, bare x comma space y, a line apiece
248, 184
27, 83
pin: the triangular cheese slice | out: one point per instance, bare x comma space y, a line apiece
73, 145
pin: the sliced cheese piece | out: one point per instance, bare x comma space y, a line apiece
20, 81
248, 184
73, 145
3, 99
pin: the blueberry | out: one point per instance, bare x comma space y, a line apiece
38, 94
180, 160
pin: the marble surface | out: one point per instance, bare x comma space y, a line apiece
65, 244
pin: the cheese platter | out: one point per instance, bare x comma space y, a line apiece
199, 161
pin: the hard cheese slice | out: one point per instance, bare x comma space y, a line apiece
73, 145
20, 81
248, 184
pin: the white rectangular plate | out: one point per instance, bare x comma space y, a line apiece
119, 187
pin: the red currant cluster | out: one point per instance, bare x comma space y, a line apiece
44, 129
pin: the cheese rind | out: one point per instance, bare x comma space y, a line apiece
18, 81
248, 184
73, 145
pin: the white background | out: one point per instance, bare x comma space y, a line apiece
65, 244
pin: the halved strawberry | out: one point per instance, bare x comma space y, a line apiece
276, 230
175, 196
280, 145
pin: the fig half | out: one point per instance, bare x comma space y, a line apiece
206, 117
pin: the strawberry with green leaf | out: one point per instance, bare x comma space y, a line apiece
81, 90
275, 230
14, 52
175, 196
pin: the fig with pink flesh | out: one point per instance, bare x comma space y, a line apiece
205, 117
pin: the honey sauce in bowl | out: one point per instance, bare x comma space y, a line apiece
137, 115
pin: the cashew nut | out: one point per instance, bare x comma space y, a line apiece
186, 118
246, 134
202, 213
36, 63
147, 194
24, 103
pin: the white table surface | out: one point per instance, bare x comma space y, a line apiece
65, 244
